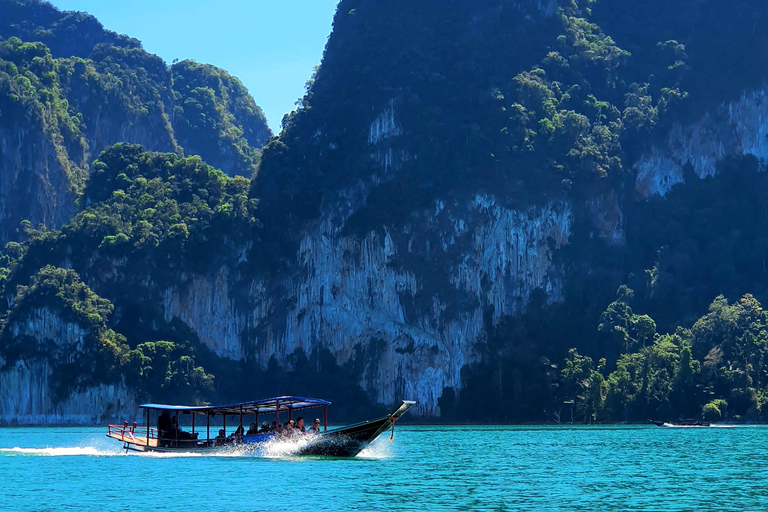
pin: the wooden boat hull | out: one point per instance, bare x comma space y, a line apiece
351, 440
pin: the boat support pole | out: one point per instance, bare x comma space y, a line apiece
325, 417
392, 436
149, 431
207, 429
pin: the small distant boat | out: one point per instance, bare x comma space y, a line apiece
341, 442
682, 423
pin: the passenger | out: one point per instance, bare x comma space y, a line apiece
177, 432
288, 430
252, 430
300, 426
274, 428
237, 434
264, 428
164, 424
315, 428
221, 438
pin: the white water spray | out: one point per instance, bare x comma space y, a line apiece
70, 451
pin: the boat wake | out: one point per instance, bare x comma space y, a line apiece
71, 451
290, 448
379, 449
276, 449
280, 448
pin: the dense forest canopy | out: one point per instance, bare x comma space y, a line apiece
70, 88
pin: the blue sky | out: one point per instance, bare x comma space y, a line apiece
271, 46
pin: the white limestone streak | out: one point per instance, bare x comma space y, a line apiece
737, 128
511, 255
384, 126
351, 293
43, 325
545, 8
383, 130
204, 304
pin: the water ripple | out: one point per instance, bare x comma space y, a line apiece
429, 468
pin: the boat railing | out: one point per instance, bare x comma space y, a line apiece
131, 432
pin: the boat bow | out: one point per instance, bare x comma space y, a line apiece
351, 440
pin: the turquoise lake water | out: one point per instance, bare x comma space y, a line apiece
424, 468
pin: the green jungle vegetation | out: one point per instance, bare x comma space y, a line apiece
669, 344
560, 107
714, 369
216, 118
152, 220
164, 368
63, 75
154, 217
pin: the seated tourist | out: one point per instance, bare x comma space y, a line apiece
221, 438
237, 434
315, 428
300, 426
288, 430
252, 430
178, 433
164, 424
264, 428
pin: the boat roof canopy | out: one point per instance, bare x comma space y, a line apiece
268, 405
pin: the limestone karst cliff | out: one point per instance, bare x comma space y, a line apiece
451, 208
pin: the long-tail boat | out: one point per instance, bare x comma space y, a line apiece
681, 423
168, 437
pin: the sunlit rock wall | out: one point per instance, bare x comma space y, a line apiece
204, 304
353, 290
26, 398
413, 297
350, 290
737, 128
27, 394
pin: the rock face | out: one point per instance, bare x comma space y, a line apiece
416, 292
34, 180
27, 399
734, 129
414, 297
27, 390
204, 304
354, 292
